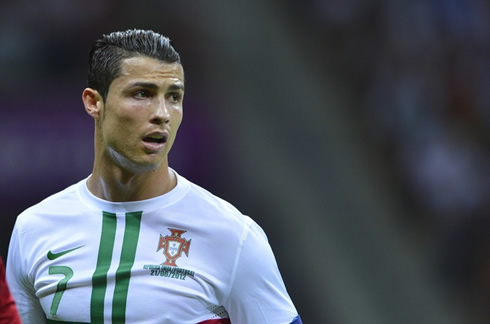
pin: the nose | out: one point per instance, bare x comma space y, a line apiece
160, 114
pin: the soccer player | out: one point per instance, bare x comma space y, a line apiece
135, 242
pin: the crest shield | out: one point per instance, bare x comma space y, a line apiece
173, 246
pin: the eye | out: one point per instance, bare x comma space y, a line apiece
175, 97
140, 94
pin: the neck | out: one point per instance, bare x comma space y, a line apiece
119, 185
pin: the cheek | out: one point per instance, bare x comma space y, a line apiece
126, 116
117, 127
177, 119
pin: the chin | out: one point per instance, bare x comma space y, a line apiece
141, 167
135, 167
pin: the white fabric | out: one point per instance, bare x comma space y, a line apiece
229, 269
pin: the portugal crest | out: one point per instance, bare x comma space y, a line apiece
173, 246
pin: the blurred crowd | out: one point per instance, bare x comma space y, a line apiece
422, 72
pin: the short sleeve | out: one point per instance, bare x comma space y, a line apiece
21, 288
258, 293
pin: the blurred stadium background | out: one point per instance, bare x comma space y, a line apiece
355, 132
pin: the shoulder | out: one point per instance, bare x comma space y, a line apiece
199, 197
212, 213
56, 204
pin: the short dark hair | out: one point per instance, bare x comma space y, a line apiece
106, 54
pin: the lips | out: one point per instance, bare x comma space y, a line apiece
156, 138
154, 141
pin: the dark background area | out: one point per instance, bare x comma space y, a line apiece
355, 132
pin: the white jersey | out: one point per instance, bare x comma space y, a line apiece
183, 257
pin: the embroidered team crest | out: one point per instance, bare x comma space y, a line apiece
173, 246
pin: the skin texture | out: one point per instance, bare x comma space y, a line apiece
146, 99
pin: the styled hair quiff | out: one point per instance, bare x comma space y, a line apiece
106, 54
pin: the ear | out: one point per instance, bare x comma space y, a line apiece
93, 102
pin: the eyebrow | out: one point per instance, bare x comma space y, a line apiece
178, 86
150, 85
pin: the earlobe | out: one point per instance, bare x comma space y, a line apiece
92, 101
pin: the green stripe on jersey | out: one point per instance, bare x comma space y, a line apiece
99, 278
123, 273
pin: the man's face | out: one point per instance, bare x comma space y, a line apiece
141, 114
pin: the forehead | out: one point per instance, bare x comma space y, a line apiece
146, 68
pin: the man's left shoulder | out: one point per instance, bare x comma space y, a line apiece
211, 201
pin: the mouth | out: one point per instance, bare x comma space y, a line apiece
156, 138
